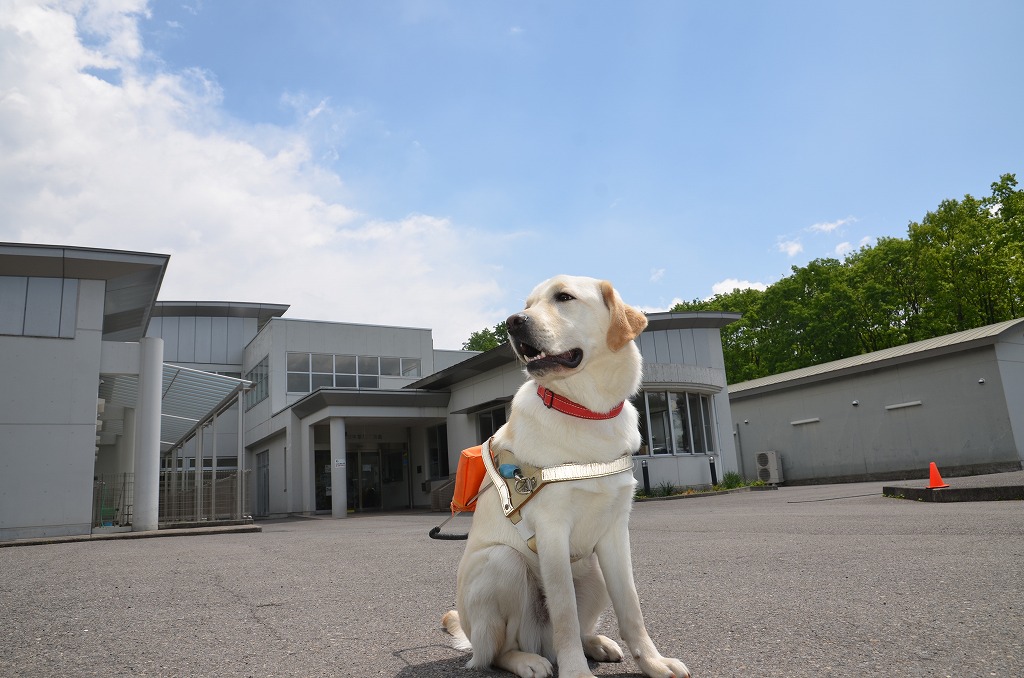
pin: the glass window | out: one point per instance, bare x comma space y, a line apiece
322, 362
260, 386
321, 381
369, 381
345, 380
345, 364
490, 422
391, 367
680, 422
657, 406
368, 364
298, 382
410, 367
676, 422
298, 362
437, 444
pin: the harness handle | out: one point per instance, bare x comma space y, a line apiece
435, 533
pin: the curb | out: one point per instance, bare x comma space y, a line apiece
695, 495
948, 494
150, 534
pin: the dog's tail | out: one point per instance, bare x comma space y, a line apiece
450, 620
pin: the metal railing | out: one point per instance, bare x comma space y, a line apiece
112, 499
217, 497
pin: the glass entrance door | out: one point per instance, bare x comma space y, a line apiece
364, 487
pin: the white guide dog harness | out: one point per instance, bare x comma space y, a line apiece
517, 483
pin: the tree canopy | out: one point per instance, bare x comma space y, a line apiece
486, 339
961, 267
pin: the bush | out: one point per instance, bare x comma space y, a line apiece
731, 480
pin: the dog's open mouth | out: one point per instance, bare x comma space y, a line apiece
539, 360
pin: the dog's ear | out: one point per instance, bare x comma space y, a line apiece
627, 322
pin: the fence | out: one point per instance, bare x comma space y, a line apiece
218, 496
112, 499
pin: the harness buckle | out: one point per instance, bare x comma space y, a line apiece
524, 485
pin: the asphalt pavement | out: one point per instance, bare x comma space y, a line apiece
833, 580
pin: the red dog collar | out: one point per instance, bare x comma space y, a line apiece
556, 402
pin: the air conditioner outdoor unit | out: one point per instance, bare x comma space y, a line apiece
769, 467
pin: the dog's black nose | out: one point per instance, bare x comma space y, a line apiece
516, 321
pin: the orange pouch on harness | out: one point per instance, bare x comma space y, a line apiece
468, 478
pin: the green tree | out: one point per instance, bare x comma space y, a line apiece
486, 339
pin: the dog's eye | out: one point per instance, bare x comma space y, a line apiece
564, 296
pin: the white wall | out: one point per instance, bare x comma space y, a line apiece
48, 426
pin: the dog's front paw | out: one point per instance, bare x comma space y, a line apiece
602, 649
526, 665
663, 667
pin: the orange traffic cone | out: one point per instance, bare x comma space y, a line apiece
934, 479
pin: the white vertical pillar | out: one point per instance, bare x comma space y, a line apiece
126, 455
339, 468
200, 453
307, 470
240, 474
213, 469
146, 509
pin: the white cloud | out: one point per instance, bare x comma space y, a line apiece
790, 247
829, 226
657, 274
730, 284
152, 163
842, 249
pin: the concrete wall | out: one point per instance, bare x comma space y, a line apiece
905, 417
48, 425
1010, 356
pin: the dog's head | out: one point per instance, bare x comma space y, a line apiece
569, 323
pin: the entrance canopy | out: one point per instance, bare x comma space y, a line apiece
188, 397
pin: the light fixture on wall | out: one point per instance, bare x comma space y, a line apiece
981, 381
855, 403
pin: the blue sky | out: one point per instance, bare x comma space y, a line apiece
427, 163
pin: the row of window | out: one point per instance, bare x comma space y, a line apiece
309, 371
676, 422
259, 376
38, 307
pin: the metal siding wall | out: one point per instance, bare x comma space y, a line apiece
12, 304
187, 340
660, 347
169, 333
675, 346
236, 339
69, 309
219, 340
204, 337
42, 307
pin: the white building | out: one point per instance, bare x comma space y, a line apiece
288, 416
956, 400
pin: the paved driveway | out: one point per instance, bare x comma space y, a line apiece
809, 581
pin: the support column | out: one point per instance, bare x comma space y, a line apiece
339, 469
200, 452
307, 469
240, 474
146, 509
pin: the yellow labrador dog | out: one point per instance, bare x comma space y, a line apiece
549, 545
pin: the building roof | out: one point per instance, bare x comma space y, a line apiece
918, 350
220, 309
133, 279
503, 354
328, 397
